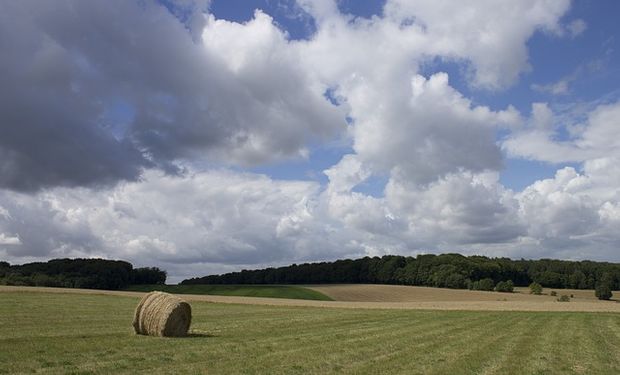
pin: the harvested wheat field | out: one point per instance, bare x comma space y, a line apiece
402, 293
394, 296
419, 298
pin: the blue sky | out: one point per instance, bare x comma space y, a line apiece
209, 136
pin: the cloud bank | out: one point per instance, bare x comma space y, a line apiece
129, 126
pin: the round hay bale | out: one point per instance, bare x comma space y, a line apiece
162, 314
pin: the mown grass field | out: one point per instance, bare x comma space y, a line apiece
73, 333
268, 291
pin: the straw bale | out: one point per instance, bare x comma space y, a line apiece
162, 314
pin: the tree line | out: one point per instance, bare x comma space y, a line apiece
446, 270
80, 273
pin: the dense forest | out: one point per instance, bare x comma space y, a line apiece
79, 273
445, 270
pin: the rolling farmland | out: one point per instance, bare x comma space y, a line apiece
81, 333
419, 298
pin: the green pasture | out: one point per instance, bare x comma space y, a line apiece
270, 291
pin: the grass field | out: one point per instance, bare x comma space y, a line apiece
78, 333
267, 291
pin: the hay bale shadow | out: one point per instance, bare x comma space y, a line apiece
198, 335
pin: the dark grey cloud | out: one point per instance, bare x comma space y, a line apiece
68, 66
48, 119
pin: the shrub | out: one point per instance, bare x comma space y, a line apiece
554, 293
505, 286
536, 288
564, 298
603, 287
484, 284
455, 281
